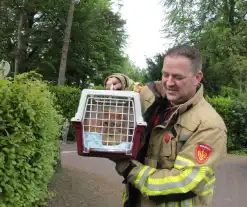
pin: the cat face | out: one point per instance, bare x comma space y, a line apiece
114, 128
112, 125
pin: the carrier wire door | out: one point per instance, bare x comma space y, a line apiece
108, 123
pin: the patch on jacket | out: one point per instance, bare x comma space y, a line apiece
202, 153
167, 137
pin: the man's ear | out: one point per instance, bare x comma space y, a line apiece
199, 77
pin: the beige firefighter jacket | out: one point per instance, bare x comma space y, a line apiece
182, 163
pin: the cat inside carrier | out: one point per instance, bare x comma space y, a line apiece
108, 123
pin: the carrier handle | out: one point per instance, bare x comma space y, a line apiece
111, 87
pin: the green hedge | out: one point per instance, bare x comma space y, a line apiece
67, 100
29, 145
234, 113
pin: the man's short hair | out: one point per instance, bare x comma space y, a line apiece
189, 52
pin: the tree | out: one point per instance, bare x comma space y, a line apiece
154, 67
19, 38
96, 43
62, 69
218, 28
132, 71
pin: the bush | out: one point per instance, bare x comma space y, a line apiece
233, 110
67, 102
234, 113
67, 99
237, 125
229, 92
29, 146
98, 87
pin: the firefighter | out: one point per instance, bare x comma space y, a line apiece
185, 138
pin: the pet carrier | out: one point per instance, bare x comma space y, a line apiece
108, 123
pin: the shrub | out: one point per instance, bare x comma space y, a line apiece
29, 147
237, 125
229, 92
233, 110
98, 87
222, 106
67, 102
67, 99
234, 113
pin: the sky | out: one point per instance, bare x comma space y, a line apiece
144, 23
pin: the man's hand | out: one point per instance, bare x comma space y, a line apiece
113, 84
123, 167
116, 159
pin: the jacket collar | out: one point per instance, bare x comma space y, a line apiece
187, 105
178, 109
192, 101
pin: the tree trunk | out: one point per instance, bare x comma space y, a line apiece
232, 14
62, 69
19, 38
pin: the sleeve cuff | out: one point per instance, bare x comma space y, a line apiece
124, 168
121, 78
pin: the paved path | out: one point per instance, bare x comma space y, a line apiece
99, 178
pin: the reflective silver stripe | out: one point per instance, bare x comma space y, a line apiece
180, 184
144, 176
186, 164
170, 204
173, 204
182, 163
207, 188
209, 175
186, 203
211, 186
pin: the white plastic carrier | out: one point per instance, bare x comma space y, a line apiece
108, 122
